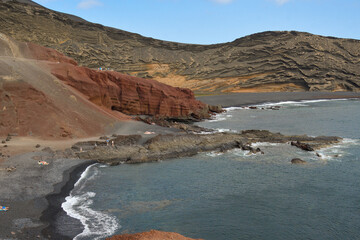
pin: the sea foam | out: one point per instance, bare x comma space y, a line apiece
336, 151
300, 103
97, 225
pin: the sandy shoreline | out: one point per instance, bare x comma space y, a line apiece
34, 193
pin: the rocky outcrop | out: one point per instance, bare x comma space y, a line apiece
131, 95
183, 145
298, 161
151, 235
120, 92
268, 61
303, 146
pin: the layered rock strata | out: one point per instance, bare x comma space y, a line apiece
131, 95
265, 62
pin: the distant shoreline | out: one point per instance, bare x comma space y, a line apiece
245, 99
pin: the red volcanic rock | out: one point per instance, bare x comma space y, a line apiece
151, 235
124, 93
131, 95
21, 99
27, 111
37, 52
35, 103
79, 102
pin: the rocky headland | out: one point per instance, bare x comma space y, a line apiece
44, 187
133, 149
262, 62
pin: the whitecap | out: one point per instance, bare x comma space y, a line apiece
303, 103
214, 154
217, 119
204, 133
336, 151
259, 144
229, 109
224, 130
241, 153
350, 141
324, 100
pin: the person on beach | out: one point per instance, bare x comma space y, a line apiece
43, 163
4, 209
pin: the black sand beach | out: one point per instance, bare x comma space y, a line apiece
244, 99
34, 193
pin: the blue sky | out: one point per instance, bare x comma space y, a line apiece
217, 21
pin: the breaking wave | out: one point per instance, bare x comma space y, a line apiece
334, 152
301, 103
97, 225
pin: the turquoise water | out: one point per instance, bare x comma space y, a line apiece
234, 195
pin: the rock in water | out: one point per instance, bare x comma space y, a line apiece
303, 146
298, 161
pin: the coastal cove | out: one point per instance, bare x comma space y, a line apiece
181, 120
139, 206
25, 222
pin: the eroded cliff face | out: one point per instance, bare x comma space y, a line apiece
120, 92
269, 61
44, 93
131, 95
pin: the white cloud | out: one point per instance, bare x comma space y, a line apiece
281, 2
223, 1
86, 4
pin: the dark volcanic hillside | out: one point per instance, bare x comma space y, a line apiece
269, 61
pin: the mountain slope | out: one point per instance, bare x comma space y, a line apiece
269, 61
44, 93
35, 103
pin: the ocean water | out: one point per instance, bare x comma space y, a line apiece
234, 195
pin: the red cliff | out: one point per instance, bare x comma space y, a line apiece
131, 95
124, 93
151, 235
44, 93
